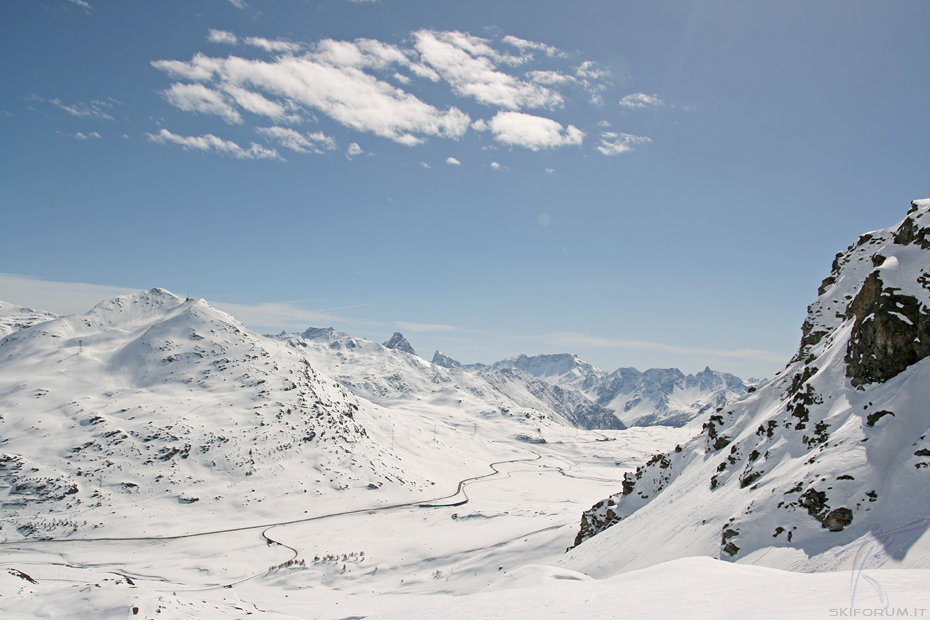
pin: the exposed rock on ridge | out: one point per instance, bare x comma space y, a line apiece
836, 443
399, 343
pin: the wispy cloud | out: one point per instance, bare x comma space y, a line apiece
222, 36
524, 45
639, 101
270, 45
469, 65
239, 4
84, 5
58, 297
211, 143
576, 341
67, 298
528, 131
277, 316
87, 136
95, 109
354, 150
615, 143
315, 142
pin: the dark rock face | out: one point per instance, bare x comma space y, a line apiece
399, 343
909, 232
890, 333
595, 520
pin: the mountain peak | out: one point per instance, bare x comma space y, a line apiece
399, 343
441, 359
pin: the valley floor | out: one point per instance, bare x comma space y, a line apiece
491, 556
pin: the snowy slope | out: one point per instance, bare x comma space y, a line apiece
562, 369
14, 318
832, 454
387, 375
156, 400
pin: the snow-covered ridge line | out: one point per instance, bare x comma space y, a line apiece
838, 443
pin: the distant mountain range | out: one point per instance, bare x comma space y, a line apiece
158, 399
829, 458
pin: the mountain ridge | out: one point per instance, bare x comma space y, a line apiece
833, 447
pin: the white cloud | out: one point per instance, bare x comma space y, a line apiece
523, 44
362, 84
638, 101
347, 94
591, 71
296, 141
59, 297
222, 36
359, 53
468, 64
199, 98
84, 5
273, 46
256, 103
425, 165
273, 317
550, 78
550, 170
495, 165
239, 4
453, 161
532, 132
353, 150
616, 143
209, 142
94, 109
86, 136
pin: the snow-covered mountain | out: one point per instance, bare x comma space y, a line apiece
14, 318
155, 399
664, 396
562, 369
389, 374
398, 342
827, 459
667, 396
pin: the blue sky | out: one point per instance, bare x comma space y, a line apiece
641, 183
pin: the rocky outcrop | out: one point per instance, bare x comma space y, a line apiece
801, 460
891, 332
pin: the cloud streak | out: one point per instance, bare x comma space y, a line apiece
211, 143
613, 143
577, 340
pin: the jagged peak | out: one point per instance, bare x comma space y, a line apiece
320, 333
399, 343
441, 359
